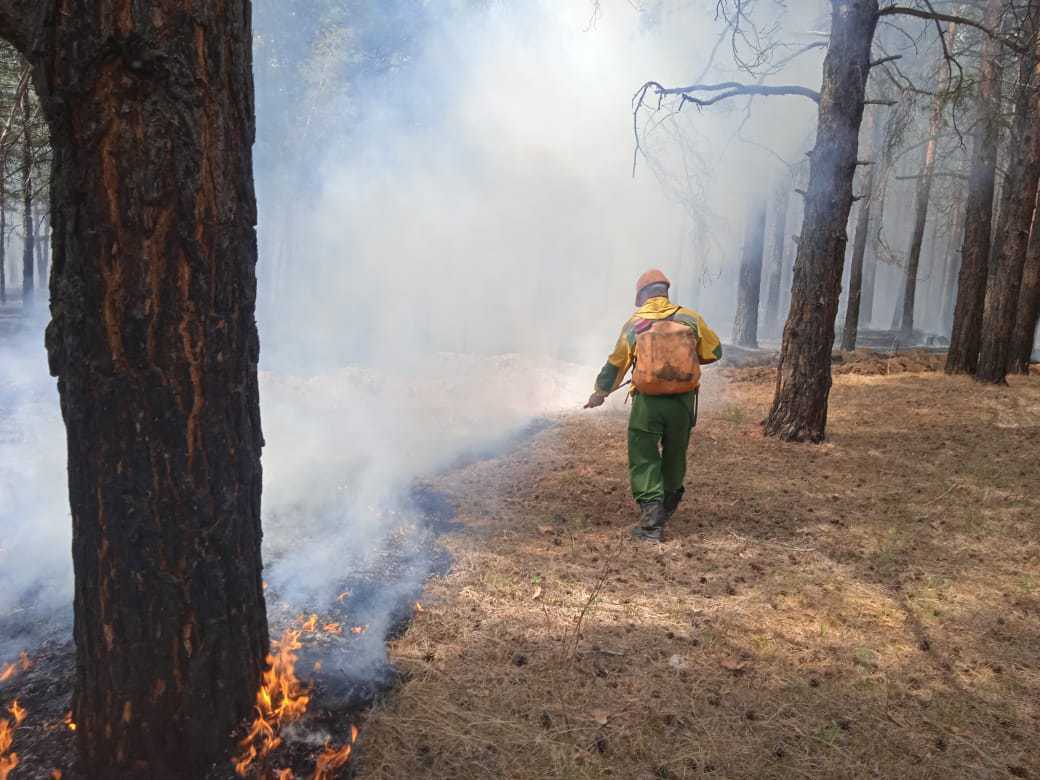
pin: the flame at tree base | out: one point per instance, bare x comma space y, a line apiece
282, 699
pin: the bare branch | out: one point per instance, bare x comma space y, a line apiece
730, 89
883, 60
938, 16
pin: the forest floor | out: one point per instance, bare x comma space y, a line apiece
866, 607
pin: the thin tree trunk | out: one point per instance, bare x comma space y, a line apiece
1022, 340
870, 259
154, 344
875, 128
745, 326
41, 258
963, 355
782, 200
1008, 262
953, 263
924, 193
803, 385
27, 202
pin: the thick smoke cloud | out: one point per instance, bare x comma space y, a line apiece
446, 255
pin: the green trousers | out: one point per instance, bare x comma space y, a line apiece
658, 435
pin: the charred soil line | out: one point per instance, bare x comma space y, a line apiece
41, 679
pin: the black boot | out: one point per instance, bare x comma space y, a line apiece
652, 517
672, 501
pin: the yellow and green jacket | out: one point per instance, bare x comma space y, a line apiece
709, 348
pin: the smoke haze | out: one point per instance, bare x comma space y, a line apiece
448, 250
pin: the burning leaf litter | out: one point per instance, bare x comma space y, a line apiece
10, 670
281, 700
8, 758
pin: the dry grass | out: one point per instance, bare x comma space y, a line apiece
868, 607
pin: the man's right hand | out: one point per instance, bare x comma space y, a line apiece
596, 399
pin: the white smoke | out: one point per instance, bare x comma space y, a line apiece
457, 265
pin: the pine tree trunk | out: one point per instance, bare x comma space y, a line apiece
924, 193
154, 343
799, 410
1008, 262
782, 200
745, 326
27, 203
1022, 340
874, 128
963, 355
953, 263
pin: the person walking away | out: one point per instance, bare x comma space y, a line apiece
666, 345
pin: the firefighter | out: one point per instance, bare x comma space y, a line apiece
666, 344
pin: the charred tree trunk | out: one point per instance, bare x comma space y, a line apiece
745, 327
27, 202
859, 242
1005, 281
782, 200
1022, 340
799, 410
963, 356
154, 343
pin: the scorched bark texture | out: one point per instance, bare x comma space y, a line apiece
1009, 256
799, 410
154, 344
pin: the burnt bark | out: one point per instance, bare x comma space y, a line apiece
154, 344
965, 336
28, 255
745, 326
875, 129
1008, 261
799, 411
781, 201
1023, 338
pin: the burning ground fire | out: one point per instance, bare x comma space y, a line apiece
281, 700
8, 758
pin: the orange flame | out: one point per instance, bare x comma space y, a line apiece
281, 699
359, 629
56, 774
333, 628
69, 721
17, 711
343, 596
311, 623
22, 665
331, 760
8, 761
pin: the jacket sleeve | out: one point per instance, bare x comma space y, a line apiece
618, 363
709, 346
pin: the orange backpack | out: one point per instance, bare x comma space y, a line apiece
666, 359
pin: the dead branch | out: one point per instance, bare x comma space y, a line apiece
939, 16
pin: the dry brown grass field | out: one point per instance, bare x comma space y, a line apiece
869, 607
